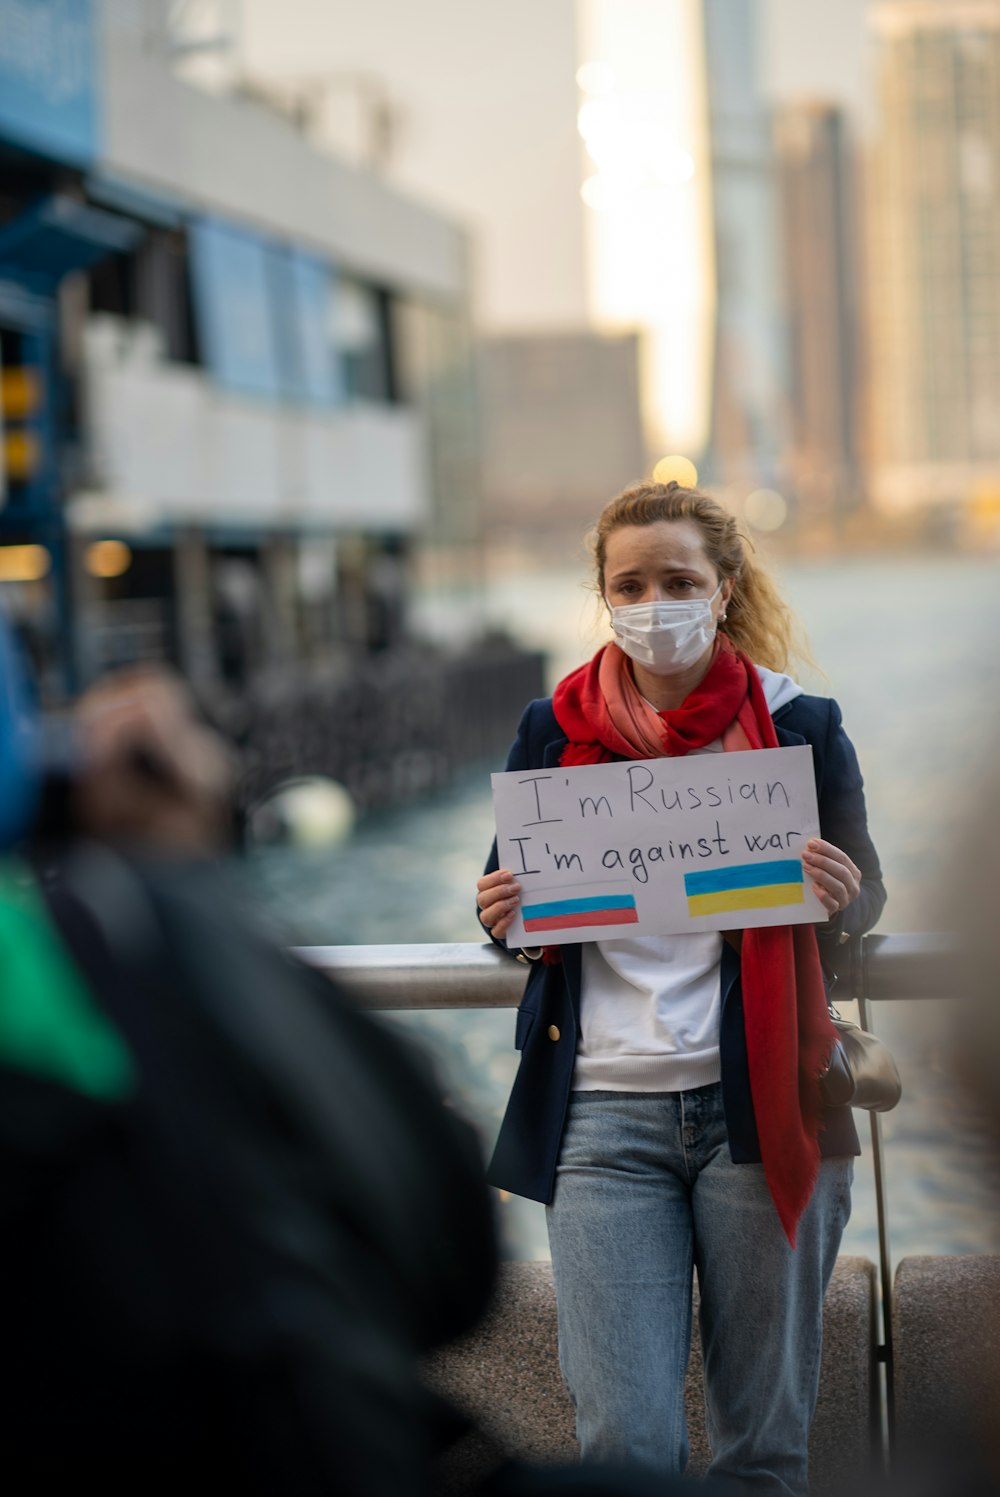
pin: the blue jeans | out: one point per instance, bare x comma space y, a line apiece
646, 1191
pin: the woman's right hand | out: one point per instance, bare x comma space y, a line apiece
498, 898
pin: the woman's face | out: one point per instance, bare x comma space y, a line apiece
660, 563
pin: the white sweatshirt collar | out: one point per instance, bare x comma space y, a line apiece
779, 689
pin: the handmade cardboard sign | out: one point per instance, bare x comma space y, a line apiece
652, 846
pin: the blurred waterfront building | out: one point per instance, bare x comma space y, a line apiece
750, 415
817, 202
562, 429
469, 106
237, 373
935, 212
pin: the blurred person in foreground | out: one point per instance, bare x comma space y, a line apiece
668, 1106
235, 1211
236, 1215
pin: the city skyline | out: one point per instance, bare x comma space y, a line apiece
544, 262
661, 192
448, 61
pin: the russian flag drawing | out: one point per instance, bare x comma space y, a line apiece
745, 886
568, 911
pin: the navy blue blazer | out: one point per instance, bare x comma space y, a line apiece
527, 1150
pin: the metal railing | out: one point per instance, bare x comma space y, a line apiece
470, 975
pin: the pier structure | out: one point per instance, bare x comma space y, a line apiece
237, 396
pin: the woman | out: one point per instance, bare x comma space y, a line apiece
667, 1106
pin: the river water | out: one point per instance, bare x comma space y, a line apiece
911, 650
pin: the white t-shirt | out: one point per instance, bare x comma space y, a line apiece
649, 1005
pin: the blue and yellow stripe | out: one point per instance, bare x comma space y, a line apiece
745, 886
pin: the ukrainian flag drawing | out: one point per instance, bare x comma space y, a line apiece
571, 912
747, 886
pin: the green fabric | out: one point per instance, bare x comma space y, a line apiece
49, 1024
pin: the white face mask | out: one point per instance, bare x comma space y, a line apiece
665, 637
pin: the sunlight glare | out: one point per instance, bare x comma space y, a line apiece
650, 248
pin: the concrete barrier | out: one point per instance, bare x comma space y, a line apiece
946, 1334
506, 1375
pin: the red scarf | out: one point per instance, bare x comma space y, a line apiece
788, 1032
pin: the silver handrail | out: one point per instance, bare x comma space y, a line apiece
472, 975
460, 975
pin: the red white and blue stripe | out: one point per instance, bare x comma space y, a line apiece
574, 912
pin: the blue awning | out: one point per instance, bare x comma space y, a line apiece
26, 310
147, 204
58, 235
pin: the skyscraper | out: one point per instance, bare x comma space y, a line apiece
817, 201
935, 212
749, 399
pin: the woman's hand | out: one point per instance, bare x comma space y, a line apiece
498, 899
836, 881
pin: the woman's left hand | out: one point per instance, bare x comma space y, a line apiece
836, 881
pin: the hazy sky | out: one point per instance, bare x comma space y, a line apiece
488, 104
816, 46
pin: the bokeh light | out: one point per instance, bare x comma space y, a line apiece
765, 509
24, 563
676, 467
595, 78
107, 558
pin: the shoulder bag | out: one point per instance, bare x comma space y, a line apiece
862, 1072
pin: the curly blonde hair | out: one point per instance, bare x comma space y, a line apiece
758, 621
